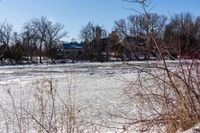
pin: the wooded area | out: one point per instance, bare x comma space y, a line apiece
178, 37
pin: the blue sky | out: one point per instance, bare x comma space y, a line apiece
76, 13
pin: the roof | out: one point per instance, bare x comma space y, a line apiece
73, 45
135, 40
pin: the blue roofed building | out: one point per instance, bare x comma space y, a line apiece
73, 50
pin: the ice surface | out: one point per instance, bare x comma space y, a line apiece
97, 88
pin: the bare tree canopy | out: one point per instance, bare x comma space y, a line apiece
48, 35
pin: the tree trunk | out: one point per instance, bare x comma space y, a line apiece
40, 54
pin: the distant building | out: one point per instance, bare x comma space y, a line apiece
137, 48
73, 50
97, 49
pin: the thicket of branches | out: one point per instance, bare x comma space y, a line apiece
166, 95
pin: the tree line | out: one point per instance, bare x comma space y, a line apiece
178, 36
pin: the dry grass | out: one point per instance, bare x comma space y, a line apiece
167, 98
45, 111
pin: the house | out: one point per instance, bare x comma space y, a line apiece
134, 47
138, 47
129, 48
98, 49
73, 50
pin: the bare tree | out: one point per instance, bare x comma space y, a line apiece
30, 39
121, 28
87, 33
93, 36
48, 34
183, 32
40, 24
54, 34
141, 26
114, 47
6, 34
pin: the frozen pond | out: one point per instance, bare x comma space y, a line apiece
97, 89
